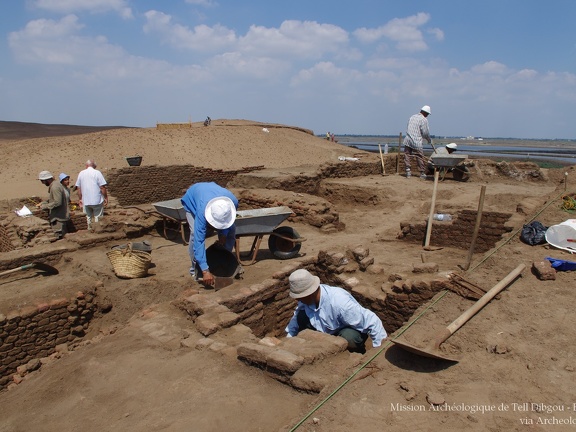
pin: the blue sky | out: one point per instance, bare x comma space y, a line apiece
491, 68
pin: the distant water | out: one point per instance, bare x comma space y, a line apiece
562, 152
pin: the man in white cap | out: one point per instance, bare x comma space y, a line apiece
209, 207
57, 204
92, 192
463, 173
416, 133
332, 310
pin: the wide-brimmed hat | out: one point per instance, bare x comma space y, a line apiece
303, 283
452, 146
220, 212
45, 175
62, 176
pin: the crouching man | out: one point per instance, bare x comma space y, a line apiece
332, 310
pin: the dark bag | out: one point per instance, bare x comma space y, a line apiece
533, 233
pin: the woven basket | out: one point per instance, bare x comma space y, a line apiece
128, 263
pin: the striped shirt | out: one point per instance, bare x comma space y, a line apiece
417, 131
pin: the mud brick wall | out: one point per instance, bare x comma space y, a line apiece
458, 233
5, 239
34, 332
148, 184
349, 169
308, 209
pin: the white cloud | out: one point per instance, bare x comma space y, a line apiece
296, 39
204, 3
404, 31
200, 38
491, 68
236, 66
94, 6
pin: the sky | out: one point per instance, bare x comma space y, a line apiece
491, 68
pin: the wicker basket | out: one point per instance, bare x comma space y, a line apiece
128, 263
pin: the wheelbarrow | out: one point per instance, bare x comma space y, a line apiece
284, 242
173, 217
451, 163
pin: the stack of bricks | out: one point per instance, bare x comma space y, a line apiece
33, 332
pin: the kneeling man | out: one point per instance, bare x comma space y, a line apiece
332, 310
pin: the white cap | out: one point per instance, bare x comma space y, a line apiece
452, 146
220, 212
426, 109
45, 175
303, 283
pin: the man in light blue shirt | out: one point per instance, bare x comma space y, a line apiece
209, 207
332, 310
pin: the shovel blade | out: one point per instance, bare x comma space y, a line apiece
430, 352
222, 282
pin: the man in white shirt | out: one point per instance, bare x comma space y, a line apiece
332, 310
92, 192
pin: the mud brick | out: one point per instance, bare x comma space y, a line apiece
207, 324
200, 304
284, 361
2, 319
307, 381
429, 267
228, 319
319, 337
544, 270
58, 303
28, 312
254, 353
365, 263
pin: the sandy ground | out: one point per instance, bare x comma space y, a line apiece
516, 368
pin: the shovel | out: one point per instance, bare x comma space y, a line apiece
433, 348
47, 269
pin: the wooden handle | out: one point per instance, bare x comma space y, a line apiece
476, 227
382, 160
432, 206
462, 319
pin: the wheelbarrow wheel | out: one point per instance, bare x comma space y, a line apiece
282, 248
461, 173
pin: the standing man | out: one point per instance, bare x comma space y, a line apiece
92, 192
417, 131
332, 310
209, 207
57, 204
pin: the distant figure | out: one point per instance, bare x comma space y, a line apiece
208, 121
417, 131
57, 205
209, 207
92, 192
332, 137
460, 171
328, 136
332, 310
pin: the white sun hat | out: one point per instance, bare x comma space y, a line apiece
426, 109
452, 146
45, 175
303, 283
220, 212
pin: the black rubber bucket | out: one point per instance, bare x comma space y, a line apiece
222, 262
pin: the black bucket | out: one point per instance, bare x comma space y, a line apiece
222, 262
134, 160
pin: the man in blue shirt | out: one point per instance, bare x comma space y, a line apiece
332, 310
209, 207
416, 133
